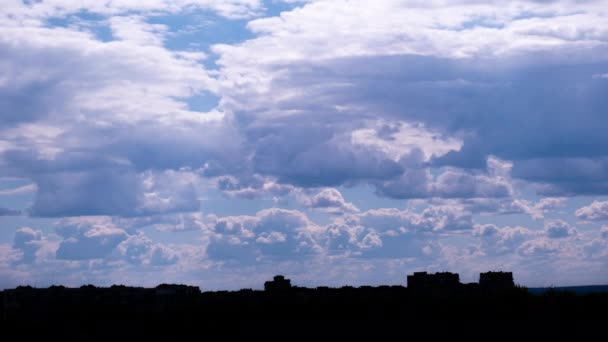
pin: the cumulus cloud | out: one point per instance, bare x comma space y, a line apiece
509, 206
80, 76
58, 8
253, 187
417, 182
530, 244
454, 29
367, 72
393, 233
383, 234
174, 222
596, 211
330, 200
115, 191
270, 234
135, 29
28, 241
297, 151
557, 229
88, 238
458, 184
19, 190
497, 240
140, 250
596, 249
79, 122
539, 248
604, 232
432, 218
547, 205
163, 256
372, 111
449, 107
169, 191
344, 238
279, 234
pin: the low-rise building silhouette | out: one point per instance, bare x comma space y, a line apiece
437, 283
278, 284
177, 289
446, 283
496, 281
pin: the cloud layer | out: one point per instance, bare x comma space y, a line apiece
441, 134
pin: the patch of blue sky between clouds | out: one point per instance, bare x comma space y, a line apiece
203, 102
276, 7
199, 30
85, 21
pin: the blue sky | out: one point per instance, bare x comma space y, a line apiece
220, 142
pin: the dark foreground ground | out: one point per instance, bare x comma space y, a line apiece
120, 312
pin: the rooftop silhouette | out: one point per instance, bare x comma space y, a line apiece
438, 283
278, 284
429, 301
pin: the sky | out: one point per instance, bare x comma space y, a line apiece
220, 142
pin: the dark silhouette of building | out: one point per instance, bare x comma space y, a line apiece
177, 289
278, 284
446, 283
446, 308
436, 284
496, 281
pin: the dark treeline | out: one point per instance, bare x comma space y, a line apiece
431, 305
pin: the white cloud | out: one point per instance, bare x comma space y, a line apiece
28, 241
424, 82
461, 184
604, 232
540, 248
163, 256
174, 222
140, 250
331, 29
253, 187
279, 234
596, 249
342, 238
432, 218
270, 234
547, 205
115, 191
74, 78
436, 100
417, 182
507, 206
383, 234
79, 114
502, 240
331, 201
169, 191
88, 238
135, 29
557, 229
596, 211
399, 139
19, 190
57, 8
